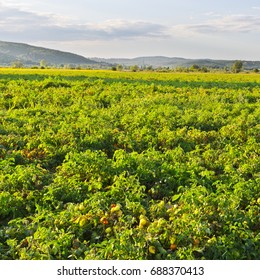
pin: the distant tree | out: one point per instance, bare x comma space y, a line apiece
225, 68
204, 69
195, 67
17, 64
113, 68
181, 69
69, 66
119, 67
43, 64
163, 69
256, 70
237, 66
134, 68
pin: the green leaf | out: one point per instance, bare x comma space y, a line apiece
176, 197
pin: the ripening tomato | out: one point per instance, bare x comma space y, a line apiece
103, 220
173, 247
196, 242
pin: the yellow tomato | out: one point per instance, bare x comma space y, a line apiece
152, 249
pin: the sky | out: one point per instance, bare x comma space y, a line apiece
216, 29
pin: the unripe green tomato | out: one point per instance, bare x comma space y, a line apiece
161, 204
81, 207
162, 222
212, 240
143, 222
116, 208
152, 249
83, 221
108, 230
119, 213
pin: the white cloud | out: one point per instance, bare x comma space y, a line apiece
101, 31
14, 19
226, 24
17, 24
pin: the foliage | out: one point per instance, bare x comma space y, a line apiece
237, 66
129, 165
17, 64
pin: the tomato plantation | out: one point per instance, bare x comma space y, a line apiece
115, 165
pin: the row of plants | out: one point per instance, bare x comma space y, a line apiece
109, 165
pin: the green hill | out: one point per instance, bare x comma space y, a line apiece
30, 55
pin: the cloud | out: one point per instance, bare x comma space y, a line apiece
14, 20
18, 24
101, 31
122, 28
226, 24
25, 25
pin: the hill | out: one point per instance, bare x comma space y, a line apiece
173, 62
31, 55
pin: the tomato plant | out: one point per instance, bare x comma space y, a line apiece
118, 165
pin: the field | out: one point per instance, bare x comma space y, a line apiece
120, 165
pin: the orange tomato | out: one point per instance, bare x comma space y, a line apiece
173, 247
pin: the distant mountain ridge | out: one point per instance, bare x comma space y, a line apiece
173, 62
30, 55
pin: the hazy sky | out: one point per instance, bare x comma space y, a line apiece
220, 29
